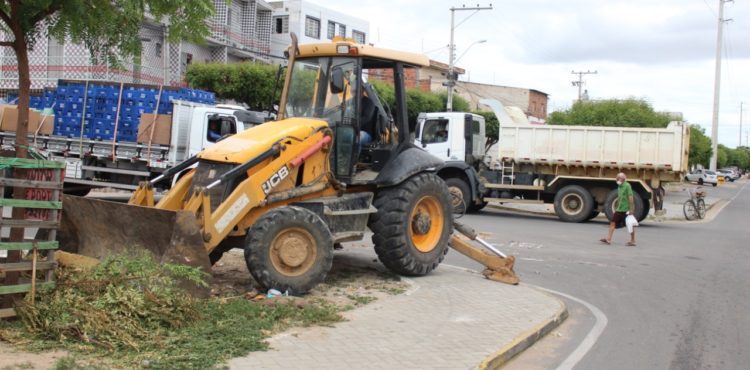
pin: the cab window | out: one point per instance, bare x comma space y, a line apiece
435, 131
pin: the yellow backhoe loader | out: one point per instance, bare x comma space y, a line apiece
334, 163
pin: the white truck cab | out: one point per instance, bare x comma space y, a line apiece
452, 136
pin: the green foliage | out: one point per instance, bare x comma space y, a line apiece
250, 83
492, 128
459, 104
700, 147
613, 113
722, 157
740, 157
131, 312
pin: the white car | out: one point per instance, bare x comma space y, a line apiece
703, 177
728, 175
733, 173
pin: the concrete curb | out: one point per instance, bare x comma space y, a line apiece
526, 339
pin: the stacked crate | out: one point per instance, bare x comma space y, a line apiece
101, 102
68, 109
101, 110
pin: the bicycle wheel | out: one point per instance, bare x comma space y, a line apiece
701, 209
688, 208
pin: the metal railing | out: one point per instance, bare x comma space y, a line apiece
45, 71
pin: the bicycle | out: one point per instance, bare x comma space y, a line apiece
695, 207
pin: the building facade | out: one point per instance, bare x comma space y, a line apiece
311, 23
533, 102
240, 30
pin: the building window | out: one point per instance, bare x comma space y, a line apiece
342, 30
331, 30
312, 27
229, 16
358, 36
281, 24
158, 50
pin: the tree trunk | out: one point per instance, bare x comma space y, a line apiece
22, 142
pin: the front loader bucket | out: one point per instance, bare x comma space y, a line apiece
98, 228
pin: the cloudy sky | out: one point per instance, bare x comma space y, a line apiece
659, 50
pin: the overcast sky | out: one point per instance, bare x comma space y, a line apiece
659, 50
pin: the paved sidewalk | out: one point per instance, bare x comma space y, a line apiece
450, 319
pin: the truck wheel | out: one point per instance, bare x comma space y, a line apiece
645, 209
573, 203
413, 224
460, 195
289, 248
610, 203
593, 215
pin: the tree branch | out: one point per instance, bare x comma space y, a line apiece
55, 6
4, 16
6, 43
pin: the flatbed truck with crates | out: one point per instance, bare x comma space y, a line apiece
570, 167
116, 135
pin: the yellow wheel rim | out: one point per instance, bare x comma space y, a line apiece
426, 224
293, 251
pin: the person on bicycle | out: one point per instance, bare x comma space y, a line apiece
625, 207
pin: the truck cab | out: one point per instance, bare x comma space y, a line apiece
452, 136
459, 140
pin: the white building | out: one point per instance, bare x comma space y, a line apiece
240, 31
312, 23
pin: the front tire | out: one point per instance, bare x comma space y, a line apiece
610, 204
573, 203
289, 248
413, 224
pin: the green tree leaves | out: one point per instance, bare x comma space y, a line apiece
250, 83
614, 113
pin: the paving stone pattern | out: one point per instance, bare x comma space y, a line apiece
450, 319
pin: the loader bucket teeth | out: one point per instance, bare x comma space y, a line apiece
98, 228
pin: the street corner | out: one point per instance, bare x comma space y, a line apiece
451, 318
526, 339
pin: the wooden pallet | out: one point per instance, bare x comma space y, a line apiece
41, 181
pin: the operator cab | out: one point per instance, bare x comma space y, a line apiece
341, 86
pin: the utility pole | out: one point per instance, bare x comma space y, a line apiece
741, 109
579, 83
717, 88
452, 51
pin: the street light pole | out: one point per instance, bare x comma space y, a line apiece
717, 89
452, 48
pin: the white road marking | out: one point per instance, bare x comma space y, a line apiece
591, 337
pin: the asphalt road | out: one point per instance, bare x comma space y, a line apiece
676, 301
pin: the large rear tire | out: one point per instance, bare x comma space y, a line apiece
413, 224
289, 248
573, 203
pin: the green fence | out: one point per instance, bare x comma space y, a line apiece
28, 265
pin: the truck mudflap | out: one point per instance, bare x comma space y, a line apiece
98, 228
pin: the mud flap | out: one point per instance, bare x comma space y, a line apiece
98, 228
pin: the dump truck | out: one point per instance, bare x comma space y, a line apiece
99, 156
286, 191
571, 167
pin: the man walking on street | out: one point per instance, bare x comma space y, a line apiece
625, 207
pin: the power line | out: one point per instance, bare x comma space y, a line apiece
579, 83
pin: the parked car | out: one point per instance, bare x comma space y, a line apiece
703, 176
734, 174
728, 174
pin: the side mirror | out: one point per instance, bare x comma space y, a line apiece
337, 80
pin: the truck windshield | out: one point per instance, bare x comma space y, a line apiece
310, 93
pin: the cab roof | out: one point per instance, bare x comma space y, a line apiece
340, 46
